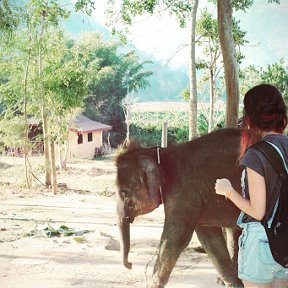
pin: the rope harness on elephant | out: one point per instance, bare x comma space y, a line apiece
160, 188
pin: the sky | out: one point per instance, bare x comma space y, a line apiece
162, 37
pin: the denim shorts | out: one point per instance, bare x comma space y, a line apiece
255, 262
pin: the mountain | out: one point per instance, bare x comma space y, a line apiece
166, 83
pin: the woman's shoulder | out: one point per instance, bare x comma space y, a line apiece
254, 160
280, 140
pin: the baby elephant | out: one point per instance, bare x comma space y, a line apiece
182, 178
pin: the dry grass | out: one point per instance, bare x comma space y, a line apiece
81, 176
170, 106
160, 106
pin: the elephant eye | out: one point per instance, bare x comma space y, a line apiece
123, 194
129, 205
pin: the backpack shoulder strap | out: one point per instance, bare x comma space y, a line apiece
273, 156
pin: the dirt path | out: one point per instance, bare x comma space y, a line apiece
91, 259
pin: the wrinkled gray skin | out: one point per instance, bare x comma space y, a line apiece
187, 173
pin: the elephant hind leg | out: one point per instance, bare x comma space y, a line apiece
213, 241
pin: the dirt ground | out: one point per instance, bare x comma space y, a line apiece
31, 255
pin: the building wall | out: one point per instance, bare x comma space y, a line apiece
85, 149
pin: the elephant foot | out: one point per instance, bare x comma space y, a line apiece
235, 285
219, 281
232, 284
156, 285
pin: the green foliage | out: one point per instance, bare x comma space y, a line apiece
207, 32
9, 18
63, 230
242, 4
42, 70
146, 127
67, 84
202, 124
277, 74
239, 4
185, 94
86, 6
51, 11
147, 136
12, 130
11, 12
150, 135
113, 75
135, 77
207, 26
120, 18
249, 77
178, 134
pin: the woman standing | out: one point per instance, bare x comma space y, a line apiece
264, 118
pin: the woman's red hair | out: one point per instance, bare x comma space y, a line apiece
264, 111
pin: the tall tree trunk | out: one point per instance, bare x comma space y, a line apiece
60, 156
230, 62
26, 129
46, 144
53, 167
212, 100
128, 108
192, 75
65, 158
43, 110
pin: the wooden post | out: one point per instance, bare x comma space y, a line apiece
164, 135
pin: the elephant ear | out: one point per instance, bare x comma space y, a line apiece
153, 173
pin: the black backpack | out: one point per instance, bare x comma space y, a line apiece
278, 232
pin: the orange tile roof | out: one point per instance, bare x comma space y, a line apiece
84, 124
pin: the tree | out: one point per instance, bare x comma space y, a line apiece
127, 103
230, 61
41, 17
15, 90
66, 85
11, 12
249, 77
54, 80
229, 54
8, 18
134, 79
113, 74
207, 31
208, 40
277, 74
193, 99
183, 10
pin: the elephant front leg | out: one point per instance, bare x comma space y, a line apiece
173, 240
214, 243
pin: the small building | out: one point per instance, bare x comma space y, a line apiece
85, 137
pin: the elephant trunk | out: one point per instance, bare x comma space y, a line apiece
124, 227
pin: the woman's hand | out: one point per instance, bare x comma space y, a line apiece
223, 186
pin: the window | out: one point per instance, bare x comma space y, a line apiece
80, 138
90, 137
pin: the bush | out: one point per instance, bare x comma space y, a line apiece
146, 127
151, 135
